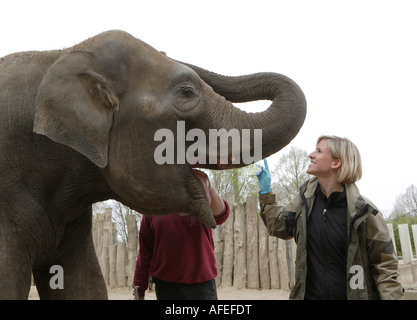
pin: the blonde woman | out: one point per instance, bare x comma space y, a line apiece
344, 250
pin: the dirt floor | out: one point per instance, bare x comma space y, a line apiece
223, 294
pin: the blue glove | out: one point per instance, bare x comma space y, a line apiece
264, 178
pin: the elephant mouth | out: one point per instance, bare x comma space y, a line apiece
217, 166
200, 204
200, 201
211, 163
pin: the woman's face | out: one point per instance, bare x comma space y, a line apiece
322, 162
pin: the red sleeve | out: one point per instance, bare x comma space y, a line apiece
146, 243
221, 218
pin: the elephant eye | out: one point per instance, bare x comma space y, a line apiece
186, 96
188, 91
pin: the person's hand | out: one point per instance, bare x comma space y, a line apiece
136, 295
264, 178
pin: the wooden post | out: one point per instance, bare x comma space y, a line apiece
98, 242
94, 231
273, 262
106, 242
405, 243
218, 253
391, 233
104, 263
112, 265
282, 264
264, 269
291, 252
132, 245
121, 265
228, 236
240, 271
414, 230
109, 226
252, 243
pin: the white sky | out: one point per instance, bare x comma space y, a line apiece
355, 60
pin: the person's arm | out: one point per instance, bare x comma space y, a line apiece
278, 221
382, 259
217, 204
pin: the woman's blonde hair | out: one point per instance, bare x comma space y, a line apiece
341, 148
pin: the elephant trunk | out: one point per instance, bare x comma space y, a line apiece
280, 123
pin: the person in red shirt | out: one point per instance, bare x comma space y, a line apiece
177, 251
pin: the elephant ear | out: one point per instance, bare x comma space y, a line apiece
75, 106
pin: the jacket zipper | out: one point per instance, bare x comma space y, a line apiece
326, 271
306, 214
355, 217
306, 205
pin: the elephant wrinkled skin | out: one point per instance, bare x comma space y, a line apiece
77, 126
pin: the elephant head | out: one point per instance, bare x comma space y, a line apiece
108, 96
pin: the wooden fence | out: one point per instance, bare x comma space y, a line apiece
247, 257
117, 259
408, 261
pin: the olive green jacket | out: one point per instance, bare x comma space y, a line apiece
372, 265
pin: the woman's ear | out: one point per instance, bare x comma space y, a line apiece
337, 163
75, 106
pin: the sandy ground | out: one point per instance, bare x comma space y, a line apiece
223, 294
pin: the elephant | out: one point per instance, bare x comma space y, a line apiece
78, 126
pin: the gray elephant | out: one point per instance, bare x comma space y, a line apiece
78, 126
